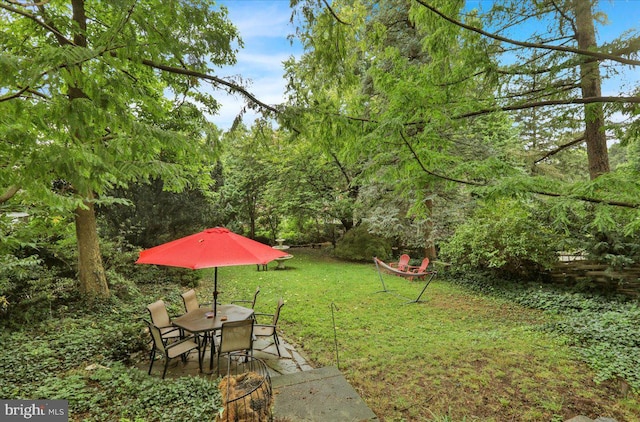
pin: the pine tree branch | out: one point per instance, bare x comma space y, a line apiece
559, 149
631, 100
233, 87
588, 199
37, 3
14, 95
594, 54
534, 191
9, 193
335, 16
591, 100
561, 86
429, 172
344, 172
61, 38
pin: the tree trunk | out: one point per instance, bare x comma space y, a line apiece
93, 281
590, 82
430, 247
252, 211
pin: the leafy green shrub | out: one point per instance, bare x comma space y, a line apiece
154, 215
505, 238
152, 274
37, 267
302, 231
360, 245
615, 249
123, 273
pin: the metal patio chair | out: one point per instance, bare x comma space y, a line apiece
160, 318
235, 336
269, 330
179, 348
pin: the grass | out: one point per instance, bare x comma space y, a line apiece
458, 356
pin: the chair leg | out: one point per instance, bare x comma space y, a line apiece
166, 365
202, 342
152, 358
212, 351
276, 342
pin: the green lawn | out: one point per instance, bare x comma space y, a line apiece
456, 356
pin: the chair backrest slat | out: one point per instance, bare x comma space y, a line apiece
236, 335
403, 262
156, 336
276, 315
190, 300
424, 265
255, 298
159, 314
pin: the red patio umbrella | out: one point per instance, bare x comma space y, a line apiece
210, 248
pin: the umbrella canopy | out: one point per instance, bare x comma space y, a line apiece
210, 248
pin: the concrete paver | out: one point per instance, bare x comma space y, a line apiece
318, 395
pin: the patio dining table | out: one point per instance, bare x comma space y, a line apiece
202, 321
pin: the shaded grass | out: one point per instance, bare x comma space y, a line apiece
459, 355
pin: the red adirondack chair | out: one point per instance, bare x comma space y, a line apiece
402, 264
419, 269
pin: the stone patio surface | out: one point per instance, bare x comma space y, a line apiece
301, 393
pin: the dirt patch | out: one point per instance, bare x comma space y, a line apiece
483, 390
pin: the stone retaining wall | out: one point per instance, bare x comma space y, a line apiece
626, 280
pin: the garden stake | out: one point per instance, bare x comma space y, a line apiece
335, 335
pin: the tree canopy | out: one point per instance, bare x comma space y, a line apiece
432, 97
98, 95
406, 115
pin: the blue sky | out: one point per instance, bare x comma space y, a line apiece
264, 26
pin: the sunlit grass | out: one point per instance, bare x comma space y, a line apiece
456, 356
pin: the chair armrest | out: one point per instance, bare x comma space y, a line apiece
182, 340
168, 326
416, 268
172, 329
262, 315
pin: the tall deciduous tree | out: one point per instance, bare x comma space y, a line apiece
561, 60
590, 85
387, 98
451, 112
87, 94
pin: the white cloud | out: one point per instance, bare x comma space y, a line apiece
260, 18
264, 27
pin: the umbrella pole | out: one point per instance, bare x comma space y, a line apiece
215, 291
